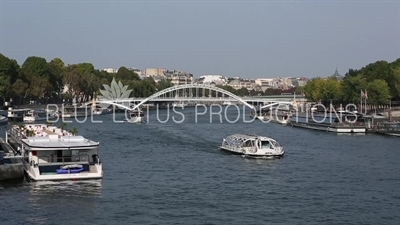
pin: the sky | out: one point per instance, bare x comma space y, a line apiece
249, 39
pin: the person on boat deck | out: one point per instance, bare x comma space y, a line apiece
19, 150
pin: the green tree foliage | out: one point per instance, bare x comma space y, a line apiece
314, 89
381, 80
164, 84
57, 70
378, 92
352, 86
124, 74
35, 70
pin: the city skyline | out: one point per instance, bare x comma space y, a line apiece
233, 39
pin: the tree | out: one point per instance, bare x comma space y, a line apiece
20, 88
9, 67
36, 66
35, 71
352, 86
73, 131
4, 85
126, 75
395, 84
56, 71
242, 92
313, 89
164, 84
378, 92
331, 89
9, 72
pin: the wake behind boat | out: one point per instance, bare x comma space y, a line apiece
252, 145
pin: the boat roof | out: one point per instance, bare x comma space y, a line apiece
59, 142
48, 136
243, 137
20, 110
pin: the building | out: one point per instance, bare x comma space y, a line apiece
154, 72
212, 79
110, 70
249, 84
337, 75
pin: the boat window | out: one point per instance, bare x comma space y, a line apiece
247, 144
276, 144
266, 144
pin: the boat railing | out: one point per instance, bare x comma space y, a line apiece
50, 160
348, 124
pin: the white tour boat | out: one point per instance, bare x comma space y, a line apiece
136, 116
252, 145
16, 114
227, 103
179, 104
51, 153
38, 115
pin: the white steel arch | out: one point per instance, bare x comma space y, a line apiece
276, 103
184, 86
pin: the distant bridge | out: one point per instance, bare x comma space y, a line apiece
197, 93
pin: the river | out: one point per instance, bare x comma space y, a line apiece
173, 173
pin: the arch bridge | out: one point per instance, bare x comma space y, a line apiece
185, 93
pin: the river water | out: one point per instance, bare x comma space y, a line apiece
173, 173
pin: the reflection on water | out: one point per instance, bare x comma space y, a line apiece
55, 197
67, 188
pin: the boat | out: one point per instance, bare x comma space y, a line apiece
101, 111
259, 113
342, 122
38, 115
3, 119
278, 114
16, 115
252, 145
389, 128
76, 111
227, 103
51, 153
136, 116
179, 104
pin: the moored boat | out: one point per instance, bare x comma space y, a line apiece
16, 115
331, 122
51, 153
280, 114
136, 116
389, 128
179, 104
252, 145
38, 115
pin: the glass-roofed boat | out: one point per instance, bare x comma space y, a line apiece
252, 145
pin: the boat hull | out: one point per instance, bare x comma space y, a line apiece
136, 120
336, 129
33, 173
251, 154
